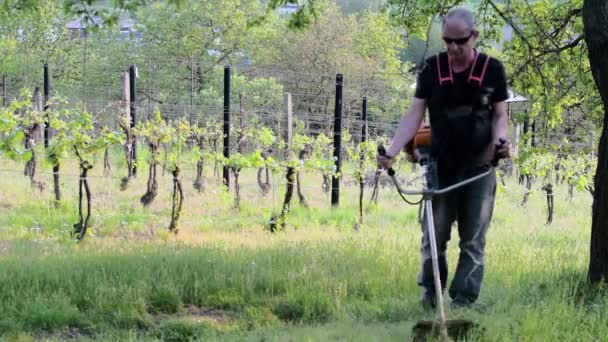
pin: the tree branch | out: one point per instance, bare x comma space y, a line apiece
570, 45
510, 22
148, 96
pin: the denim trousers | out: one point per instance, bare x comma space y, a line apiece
471, 207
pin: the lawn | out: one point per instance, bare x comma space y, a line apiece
225, 277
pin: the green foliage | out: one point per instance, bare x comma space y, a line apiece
203, 134
257, 92
260, 139
180, 132
579, 170
302, 18
535, 162
16, 121
362, 157
238, 161
200, 36
156, 131
417, 50
75, 132
415, 16
30, 38
546, 58
360, 6
9, 145
363, 285
364, 48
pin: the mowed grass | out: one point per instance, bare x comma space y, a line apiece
224, 277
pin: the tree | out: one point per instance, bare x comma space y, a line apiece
595, 19
76, 136
359, 6
194, 40
363, 47
28, 39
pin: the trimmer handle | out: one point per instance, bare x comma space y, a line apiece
382, 152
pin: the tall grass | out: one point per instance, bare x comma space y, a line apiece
319, 280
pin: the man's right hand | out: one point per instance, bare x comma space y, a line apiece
385, 161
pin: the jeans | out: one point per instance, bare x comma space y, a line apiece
471, 206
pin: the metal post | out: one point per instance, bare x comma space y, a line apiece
239, 145
335, 181
364, 120
362, 157
226, 124
133, 109
288, 124
47, 124
47, 129
534, 133
526, 126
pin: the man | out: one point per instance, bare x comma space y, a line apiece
465, 92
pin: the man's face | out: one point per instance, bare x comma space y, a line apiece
459, 39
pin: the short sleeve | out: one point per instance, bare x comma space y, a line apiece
424, 83
499, 82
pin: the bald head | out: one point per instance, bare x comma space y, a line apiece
461, 15
459, 34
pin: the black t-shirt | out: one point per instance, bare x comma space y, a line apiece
428, 81
452, 156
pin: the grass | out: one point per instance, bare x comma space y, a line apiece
225, 278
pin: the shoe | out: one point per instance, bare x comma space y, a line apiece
460, 303
428, 300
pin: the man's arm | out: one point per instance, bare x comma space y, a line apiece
500, 127
408, 126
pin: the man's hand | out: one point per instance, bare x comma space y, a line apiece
503, 149
385, 161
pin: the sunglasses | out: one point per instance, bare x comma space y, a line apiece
458, 41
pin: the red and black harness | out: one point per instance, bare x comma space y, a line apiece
461, 130
477, 74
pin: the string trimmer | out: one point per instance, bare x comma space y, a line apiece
418, 150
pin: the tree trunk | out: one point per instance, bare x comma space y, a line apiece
325, 185
237, 189
528, 189
166, 152
276, 222
595, 20
376, 190
56, 185
549, 191
303, 201
106, 162
216, 171
198, 182
264, 184
301, 156
80, 228
30, 165
177, 201
152, 185
124, 182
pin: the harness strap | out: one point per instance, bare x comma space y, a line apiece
477, 74
444, 59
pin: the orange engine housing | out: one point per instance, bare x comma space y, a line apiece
421, 139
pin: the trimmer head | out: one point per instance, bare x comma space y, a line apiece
458, 329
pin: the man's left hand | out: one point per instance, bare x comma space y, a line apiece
503, 148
